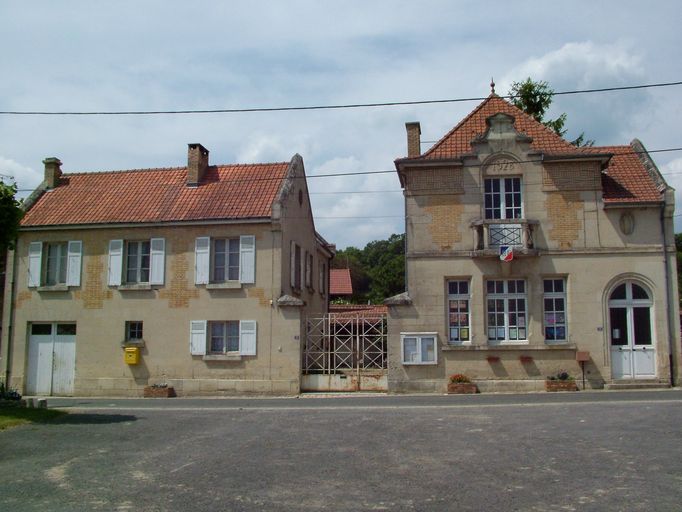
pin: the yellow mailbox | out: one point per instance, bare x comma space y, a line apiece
132, 355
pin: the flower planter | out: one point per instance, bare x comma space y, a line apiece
560, 385
159, 392
462, 388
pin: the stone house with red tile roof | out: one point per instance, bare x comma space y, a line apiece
527, 255
197, 277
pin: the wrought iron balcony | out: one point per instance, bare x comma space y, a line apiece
491, 234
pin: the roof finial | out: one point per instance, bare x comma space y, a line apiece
492, 85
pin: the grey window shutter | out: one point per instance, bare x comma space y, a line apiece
247, 259
115, 262
35, 263
157, 261
73, 263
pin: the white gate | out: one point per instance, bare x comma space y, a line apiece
345, 352
51, 359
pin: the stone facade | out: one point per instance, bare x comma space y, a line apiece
510, 324
99, 311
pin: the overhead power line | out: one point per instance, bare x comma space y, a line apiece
311, 107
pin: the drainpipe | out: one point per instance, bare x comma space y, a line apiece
668, 290
10, 267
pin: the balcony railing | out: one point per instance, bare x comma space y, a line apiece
491, 234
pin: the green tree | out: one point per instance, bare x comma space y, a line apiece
377, 271
10, 215
534, 98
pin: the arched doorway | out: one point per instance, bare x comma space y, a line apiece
631, 332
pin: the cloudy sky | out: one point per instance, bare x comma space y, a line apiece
171, 55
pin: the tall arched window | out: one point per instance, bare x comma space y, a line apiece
631, 333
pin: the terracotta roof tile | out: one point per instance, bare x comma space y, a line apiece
351, 311
340, 282
159, 195
625, 180
458, 140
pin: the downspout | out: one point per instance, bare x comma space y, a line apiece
668, 291
10, 314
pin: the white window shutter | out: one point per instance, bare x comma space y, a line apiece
35, 263
197, 337
293, 264
202, 259
247, 337
73, 263
115, 262
157, 261
247, 261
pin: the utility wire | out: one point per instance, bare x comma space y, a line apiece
312, 107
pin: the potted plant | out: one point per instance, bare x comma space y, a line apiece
562, 381
159, 391
461, 384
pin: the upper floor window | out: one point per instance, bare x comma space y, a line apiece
137, 261
297, 262
503, 198
506, 310
458, 311
222, 260
54, 263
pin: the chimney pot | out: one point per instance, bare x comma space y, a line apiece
414, 132
53, 172
197, 163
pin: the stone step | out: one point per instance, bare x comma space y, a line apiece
638, 384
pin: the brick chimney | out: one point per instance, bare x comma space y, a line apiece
52, 172
414, 132
197, 163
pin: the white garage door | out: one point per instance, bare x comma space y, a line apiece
51, 359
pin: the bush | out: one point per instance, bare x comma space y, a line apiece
561, 375
459, 378
7, 393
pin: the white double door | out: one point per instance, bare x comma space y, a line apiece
51, 359
632, 350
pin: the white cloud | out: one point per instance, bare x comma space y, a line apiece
25, 177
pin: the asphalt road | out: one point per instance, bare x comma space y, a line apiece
536, 452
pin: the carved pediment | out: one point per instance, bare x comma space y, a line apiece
500, 135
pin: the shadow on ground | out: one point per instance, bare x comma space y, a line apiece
93, 419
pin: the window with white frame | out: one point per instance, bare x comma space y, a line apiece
506, 310
418, 348
502, 198
137, 262
554, 303
133, 331
223, 337
459, 311
54, 263
223, 260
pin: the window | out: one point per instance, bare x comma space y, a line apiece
308, 270
55, 269
458, 311
419, 348
223, 260
296, 263
555, 309
137, 262
54, 263
506, 310
133, 331
503, 198
323, 277
223, 337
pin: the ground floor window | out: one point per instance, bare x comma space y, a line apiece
224, 337
458, 311
133, 331
506, 310
554, 303
418, 348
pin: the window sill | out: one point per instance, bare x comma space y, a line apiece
426, 363
227, 285
53, 288
510, 347
134, 287
216, 357
132, 343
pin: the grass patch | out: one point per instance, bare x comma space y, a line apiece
13, 416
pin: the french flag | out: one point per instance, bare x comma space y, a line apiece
506, 253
